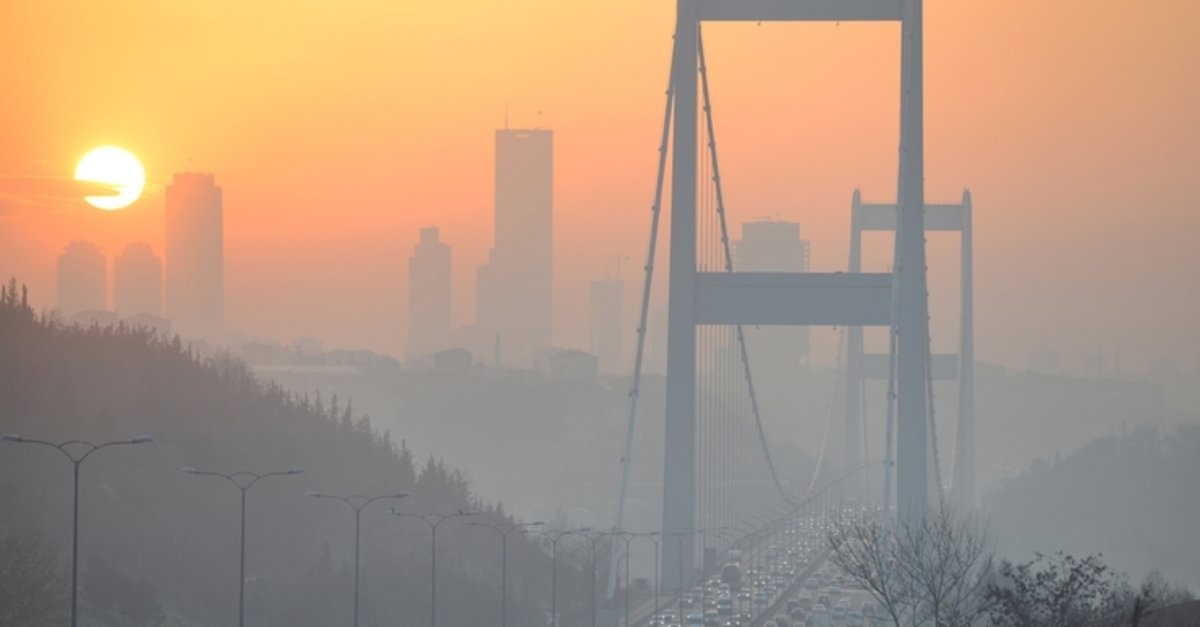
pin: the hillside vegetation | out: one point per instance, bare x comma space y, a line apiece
170, 540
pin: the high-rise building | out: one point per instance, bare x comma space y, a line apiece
608, 340
137, 281
775, 246
515, 293
429, 304
82, 279
195, 264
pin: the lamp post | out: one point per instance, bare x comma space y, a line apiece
503, 529
656, 538
76, 458
356, 502
433, 520
592, 539
704, 544
243, 480
629, 538
554, 538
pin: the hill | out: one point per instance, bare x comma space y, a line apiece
1135, 497
174, 536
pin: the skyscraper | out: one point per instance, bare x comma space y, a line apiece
82, 279
137, 281
195, 270
429, 304
774, 246
515, 293
608, 340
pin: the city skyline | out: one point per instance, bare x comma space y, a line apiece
430, 300
283, 237
194, 285
137, 281
562, 313
515, 303
82, 279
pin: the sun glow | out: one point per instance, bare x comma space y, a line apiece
113, 166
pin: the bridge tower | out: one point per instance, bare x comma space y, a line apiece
862, 367
897, 300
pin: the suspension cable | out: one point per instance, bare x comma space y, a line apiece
741, 337
937, 464
635, 382
829, 414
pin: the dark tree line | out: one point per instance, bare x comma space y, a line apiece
153, 536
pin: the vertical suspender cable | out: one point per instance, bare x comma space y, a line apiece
741, 338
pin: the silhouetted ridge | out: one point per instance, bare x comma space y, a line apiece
145, 520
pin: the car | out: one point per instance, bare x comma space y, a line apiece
744, 595
695, 619
839, 612
711, 618
811, 583
820, 616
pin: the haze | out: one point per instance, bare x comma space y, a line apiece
392, 255
338, 131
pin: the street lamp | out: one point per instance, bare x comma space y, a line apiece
243, 480
76, 459
357, 502
503, 529
554, 538
704, 545
433, 520
592, 539
656, 538
629, 537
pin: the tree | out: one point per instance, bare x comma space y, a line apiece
33, 592
1057, 590
935, 572
1132, 606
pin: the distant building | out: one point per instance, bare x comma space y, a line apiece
774, 246
452, 362
94, 318
149, 322
195, 257
515, 293
137, 281
429, 302
82, 279
608, 338
568, 364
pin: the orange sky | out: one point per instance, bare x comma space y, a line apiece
338, 128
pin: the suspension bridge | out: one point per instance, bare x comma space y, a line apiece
718, 470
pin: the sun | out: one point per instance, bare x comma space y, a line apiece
113, 166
